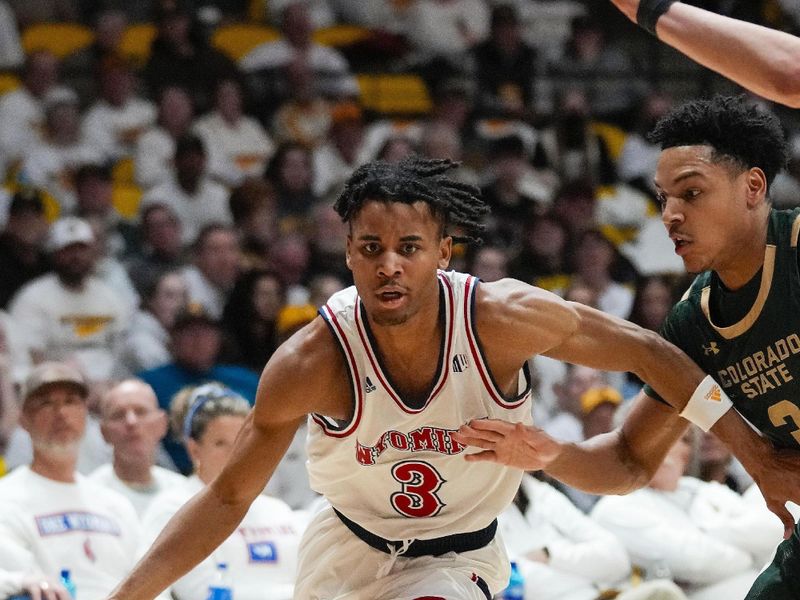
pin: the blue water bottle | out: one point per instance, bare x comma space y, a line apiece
220, 589
66, 581
516, 584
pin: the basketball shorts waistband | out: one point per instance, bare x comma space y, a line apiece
458, 542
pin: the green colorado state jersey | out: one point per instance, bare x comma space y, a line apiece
757, 359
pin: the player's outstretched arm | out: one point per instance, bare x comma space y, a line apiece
296, 381
762, 60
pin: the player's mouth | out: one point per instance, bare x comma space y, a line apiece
681, 244
390, 296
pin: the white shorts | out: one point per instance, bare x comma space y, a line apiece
334, 564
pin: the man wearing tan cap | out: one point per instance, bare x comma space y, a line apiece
52, 518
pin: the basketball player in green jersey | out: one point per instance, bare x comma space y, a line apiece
739, 321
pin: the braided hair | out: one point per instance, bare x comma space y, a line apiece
416, 179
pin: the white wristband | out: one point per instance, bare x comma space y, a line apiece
707, 404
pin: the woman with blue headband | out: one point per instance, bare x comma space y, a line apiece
261, 554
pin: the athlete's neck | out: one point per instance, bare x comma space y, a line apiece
747, 255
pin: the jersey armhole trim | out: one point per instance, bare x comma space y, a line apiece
330, 426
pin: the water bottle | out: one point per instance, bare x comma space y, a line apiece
220, 589
66, 581
516, 584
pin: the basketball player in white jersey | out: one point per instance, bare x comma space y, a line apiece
387, 372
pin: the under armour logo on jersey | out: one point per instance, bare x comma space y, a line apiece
460, 363
711, 348
368, 385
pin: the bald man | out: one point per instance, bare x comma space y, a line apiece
133, 423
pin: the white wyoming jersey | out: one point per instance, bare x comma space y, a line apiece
393, 468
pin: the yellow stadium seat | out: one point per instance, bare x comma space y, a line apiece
341, 35
123, 171
126, 198
236, 40
8, 82
136, 42
62, 39
394, 94
613, 136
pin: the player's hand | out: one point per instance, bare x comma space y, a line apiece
776, 477
44, 588
628, 7
511, 444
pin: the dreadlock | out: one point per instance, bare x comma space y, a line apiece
416, 179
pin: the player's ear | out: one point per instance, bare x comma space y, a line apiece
445, 251
756, 182
347, 249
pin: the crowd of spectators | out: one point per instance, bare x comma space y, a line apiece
166, 221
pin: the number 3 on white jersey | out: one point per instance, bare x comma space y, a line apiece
419, 483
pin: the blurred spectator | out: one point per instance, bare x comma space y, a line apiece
440, 139
108, 268
10, 347
265, 64
94, 189
639, 157
250, 318
53, 518
192, 195
254, 210
595, 262
453, 103
21, 243
396, 148
564, 555
447, 28
155, 149
44, 11
671, 528
289, 257
326, 236
133, 423
290, 172
505, 67
115, 121
214, 269
598, 405
320, 12
572, 147
261, 554
604, 71
375, 14
82, 67
196, 340
11, 54
181, 56
147, 344
161, 245
22, 114
345, 149
541, 260
718, 464
323, 286
238, 146
51, 163
652, 302
511, 207
566, 424
70, 314
305, 116
489, 263
574, 206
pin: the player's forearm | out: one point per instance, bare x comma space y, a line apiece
760, 59
199, 527
600, 465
